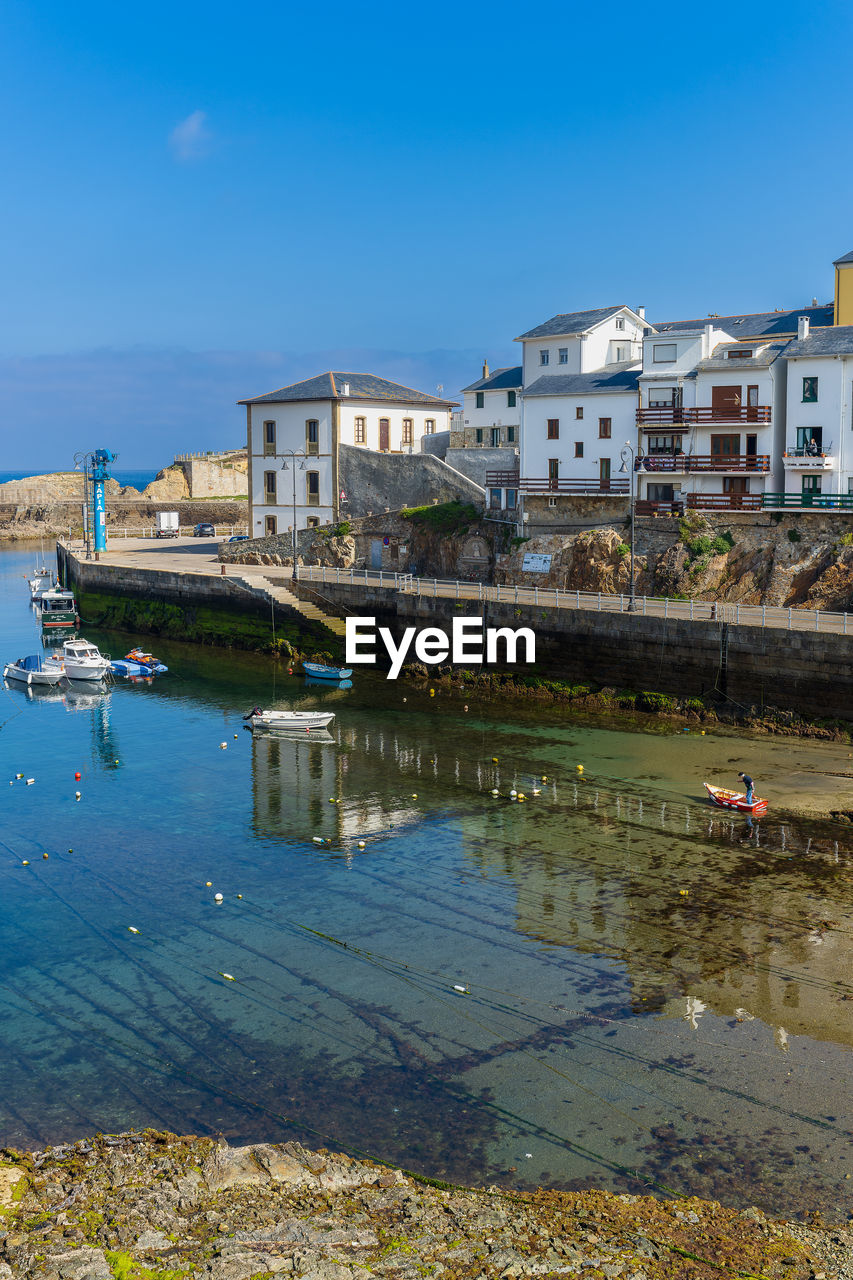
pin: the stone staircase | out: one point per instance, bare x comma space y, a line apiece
260, 585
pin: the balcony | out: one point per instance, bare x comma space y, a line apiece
802, 460
725, 501
669, 415
754, 463
511, 480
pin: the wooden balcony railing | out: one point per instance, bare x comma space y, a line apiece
725, 501
699, 462
681, 415
594, 485
645, 507
502, 479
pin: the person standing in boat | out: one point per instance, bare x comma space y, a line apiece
750, 787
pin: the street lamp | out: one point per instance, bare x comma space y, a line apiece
627, 452
294, 453
82, 461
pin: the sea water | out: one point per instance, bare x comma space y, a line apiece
606, 984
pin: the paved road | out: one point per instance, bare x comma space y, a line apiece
176, 555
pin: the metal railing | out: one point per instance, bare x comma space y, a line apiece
184, 531
597, 602
805, 501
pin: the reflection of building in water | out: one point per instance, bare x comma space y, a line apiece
688, 904
295, 776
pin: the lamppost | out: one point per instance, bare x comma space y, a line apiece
294, 453
628, 451
82, 460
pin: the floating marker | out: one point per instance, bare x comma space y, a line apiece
239, 895
463, 991
537, 791
332, 800
513, 792
405, 699
465, 708
223, 746
414, 795
432, 693
235, 737
130, 929
544, 779
45, 855
208, 884
115, 762
684, 892
229, 977
26, 862
579, 768
495, 791
494, 759
702, 732
317, 839
361, 844
217, 897
77, 777
70, 850
76, 795
30, 781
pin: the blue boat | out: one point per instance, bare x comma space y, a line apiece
319, 672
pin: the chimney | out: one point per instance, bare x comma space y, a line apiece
708, 343
814, 302
641, 312
802, 328
345, 389
485, 368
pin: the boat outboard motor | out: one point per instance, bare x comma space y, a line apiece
256, 711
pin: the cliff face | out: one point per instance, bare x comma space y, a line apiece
777, 563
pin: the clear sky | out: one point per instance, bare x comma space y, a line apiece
206, 201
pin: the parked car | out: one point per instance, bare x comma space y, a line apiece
239, 537
204, 531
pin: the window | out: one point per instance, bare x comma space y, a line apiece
511, 500
510, 399
312, 522
478, 435
510, 435
664, 444
661, 397
660, 492
269, 486
269, 438
725, 446
408, 430
810, 441
481, 399
579, 448
579, 411
429, 427
620, 354
360, 430
604, 428
809, 390
543, 357
312, 488
620, 322
811, 484
664, 352
270, 529
495, 496
735, 484
312, 436
553, 428
740, 354
563, 355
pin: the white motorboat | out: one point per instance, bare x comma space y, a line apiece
84, 661
35, 670
41, 581
298, 721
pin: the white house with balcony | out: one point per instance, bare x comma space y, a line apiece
818, 449
294, 435
708, 417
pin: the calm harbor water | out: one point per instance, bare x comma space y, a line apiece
607, 985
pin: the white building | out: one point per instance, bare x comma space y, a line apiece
294, 435
818, 452
581, 342
491, 415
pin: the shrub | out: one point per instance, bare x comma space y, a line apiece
847, 539
623, 550
447, 517
794, 536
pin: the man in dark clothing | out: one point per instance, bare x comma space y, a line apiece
750, 787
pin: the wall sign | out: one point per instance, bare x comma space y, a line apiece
535, 562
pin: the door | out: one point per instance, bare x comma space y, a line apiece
269, 526
384, 435
751, 450
725, 452
752, 404
495, 437
604, 474
553, 473
376, 553
725, 403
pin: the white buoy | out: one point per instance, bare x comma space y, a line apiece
223, 745
76, 795
30, 781
361, 844
317, 839
130, 929
217, 897
513, 792
229, 977
463, 991
495, 791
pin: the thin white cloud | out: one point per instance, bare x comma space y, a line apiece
190, 139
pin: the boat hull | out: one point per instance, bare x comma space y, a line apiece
50, 676
318, 671
735, 800
294, 721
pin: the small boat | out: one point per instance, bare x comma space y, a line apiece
41, 581
147, 662
58, 608
735, 800
84, 661
302, 721
35, 670
320, 672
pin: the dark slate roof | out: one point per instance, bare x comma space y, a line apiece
763, 358
571, 322
614, 379
848, 257
759, 324
498, 380
362, 386
826, 342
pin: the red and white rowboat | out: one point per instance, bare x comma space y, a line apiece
735, 800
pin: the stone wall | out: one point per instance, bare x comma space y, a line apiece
474, 463
388, 481
570, 514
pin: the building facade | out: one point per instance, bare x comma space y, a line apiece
491, 412
818, 448
294, 436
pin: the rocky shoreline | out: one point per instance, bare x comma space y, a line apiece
154, 1206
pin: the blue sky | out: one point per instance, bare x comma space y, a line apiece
203, 202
